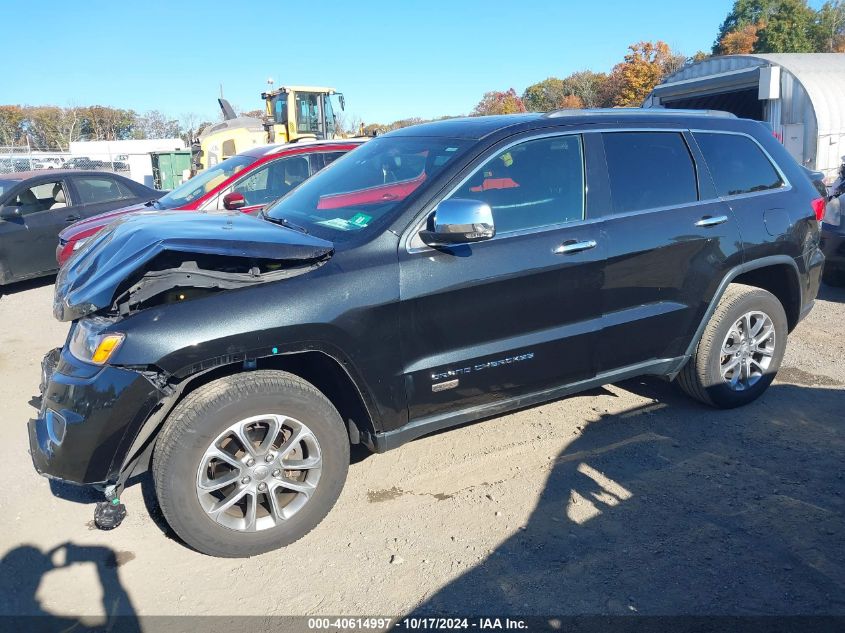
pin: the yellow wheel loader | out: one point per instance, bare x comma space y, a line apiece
292, 113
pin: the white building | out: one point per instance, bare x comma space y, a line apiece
134, 153
801, 95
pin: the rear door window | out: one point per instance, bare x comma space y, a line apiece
93, 190
649, 170
533, 184
737, 164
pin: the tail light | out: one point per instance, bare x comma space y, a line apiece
818, 208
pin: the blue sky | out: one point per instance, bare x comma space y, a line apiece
391, 59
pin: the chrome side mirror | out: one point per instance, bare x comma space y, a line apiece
458, 221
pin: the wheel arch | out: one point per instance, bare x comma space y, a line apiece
326, 371
778, 274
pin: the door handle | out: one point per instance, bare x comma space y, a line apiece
712, 221
568, 248
72, 218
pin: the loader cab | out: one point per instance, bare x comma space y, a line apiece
295, 113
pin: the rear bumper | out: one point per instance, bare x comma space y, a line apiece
88, 418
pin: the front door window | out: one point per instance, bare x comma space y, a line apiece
42, 197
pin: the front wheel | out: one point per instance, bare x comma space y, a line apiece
740, 350
250, 463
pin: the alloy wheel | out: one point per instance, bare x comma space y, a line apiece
259, 472
747, 350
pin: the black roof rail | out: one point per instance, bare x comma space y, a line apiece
638, 112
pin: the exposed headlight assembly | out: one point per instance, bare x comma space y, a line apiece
89, 345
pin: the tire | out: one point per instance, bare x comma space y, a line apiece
249, 399
701, 378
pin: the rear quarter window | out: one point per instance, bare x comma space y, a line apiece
737, 164
649, 170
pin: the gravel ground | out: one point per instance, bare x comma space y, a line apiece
626, 499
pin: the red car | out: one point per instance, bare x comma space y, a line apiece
249, 181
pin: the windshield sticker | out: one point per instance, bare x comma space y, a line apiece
360, 219
340, 223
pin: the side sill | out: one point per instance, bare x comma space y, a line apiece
389, 440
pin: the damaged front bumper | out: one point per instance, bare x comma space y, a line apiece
88, 419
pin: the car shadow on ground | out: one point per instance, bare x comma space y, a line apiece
29, 284
673, 508
21, 572
835, 294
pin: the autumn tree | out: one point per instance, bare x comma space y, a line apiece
545, 95
255, 114
740, 41
11, 120
154, 124
50, 127
774, 26
496, 102
104, 123
590, 87
742, 14
644, 66
572, 102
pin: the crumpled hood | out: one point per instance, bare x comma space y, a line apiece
88, 281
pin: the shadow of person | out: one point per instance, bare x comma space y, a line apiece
673, 508
22, 569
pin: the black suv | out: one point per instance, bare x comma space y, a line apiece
439, 274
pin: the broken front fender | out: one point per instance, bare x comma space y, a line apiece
151, 253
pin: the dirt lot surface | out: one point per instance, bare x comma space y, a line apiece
627, 499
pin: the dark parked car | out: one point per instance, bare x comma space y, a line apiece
35, 206
436, 275
833, 241
83, 162
833, 232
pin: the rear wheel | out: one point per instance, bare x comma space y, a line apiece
740, 350
250, 463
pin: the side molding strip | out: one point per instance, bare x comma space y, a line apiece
423, 426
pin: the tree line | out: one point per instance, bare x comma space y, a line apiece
54, 128
751, 26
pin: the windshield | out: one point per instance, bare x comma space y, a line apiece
204, 182
365, 185
5, 185
280, 108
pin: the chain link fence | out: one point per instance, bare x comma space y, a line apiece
22, 158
